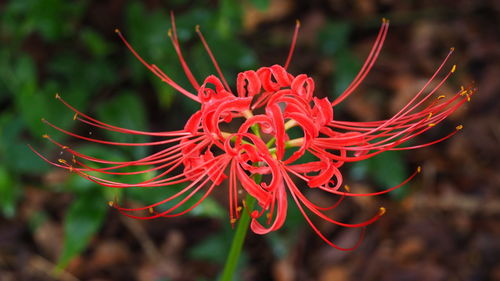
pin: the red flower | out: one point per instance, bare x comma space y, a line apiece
266, 128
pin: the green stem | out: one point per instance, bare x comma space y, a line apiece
238, 240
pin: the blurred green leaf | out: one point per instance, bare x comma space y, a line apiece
78, 78
126, 111
14, 151
262, 5
96, 44
209, 208
212, 249
333, 37
82, 221
9, 191
388, 169
166, 94
232, 56
347, 66
53, 19
229, 19
6, 75
150, 195
186, 23
334, 42
78, 184
215, 248
31, 101
279, 244
147, 32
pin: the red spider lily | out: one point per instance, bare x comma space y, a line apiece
253, 132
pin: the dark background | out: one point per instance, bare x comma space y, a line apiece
444, 225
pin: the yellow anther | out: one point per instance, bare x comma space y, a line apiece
111, 203
268, 215
429, 116
454, 68
297, 22
75, 116
431, 125
64, 147
239, 209
441, 97
151, 210
384, 20
468, 98
62, 161
347, 188
459, 127
381, 211
117, 30
233, 220
197, 28
45, 136
57, 96
74, 159
452, 49
71, 168
419, 169
169, 32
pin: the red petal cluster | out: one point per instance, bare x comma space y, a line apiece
267, 128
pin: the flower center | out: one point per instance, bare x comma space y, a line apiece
271, 111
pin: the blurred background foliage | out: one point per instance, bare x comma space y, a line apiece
64, 48
69, 47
